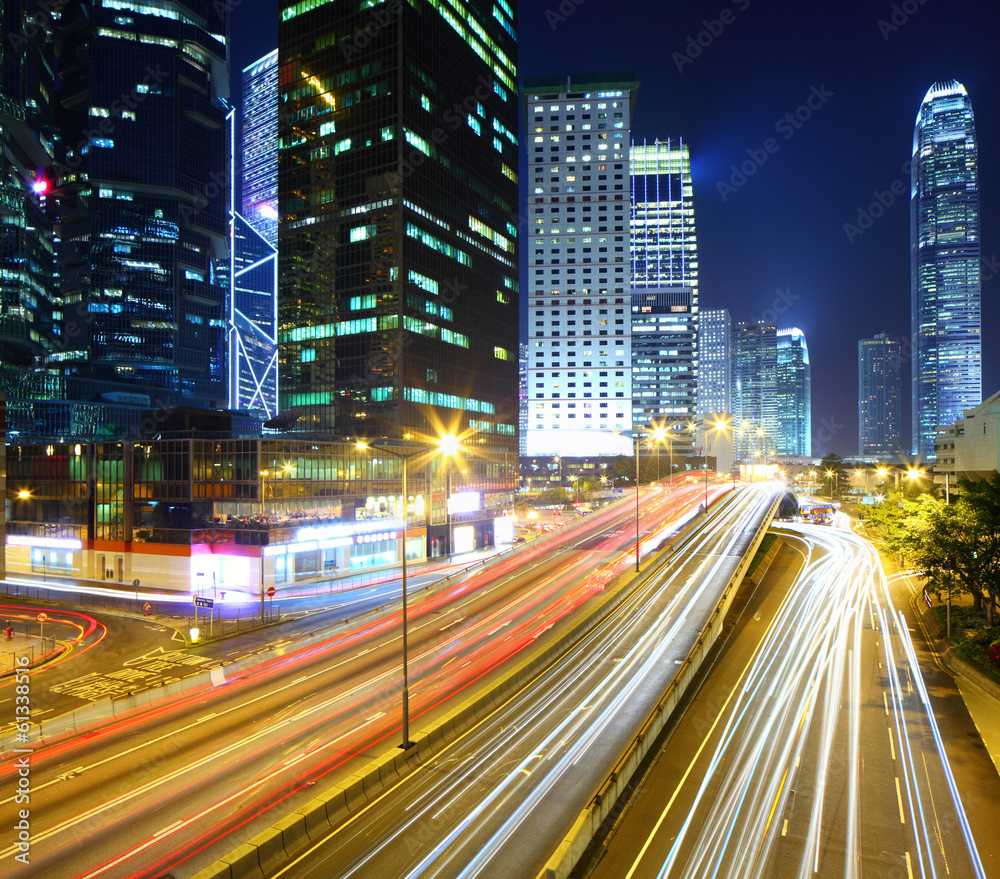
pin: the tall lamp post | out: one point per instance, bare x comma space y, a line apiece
659, 435
720, 427
448, 445
449, 448
636, 439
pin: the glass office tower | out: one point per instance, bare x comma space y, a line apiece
28, 296
144, 200
945, 303
755, 360
397, 186
253, 323
260, 146
792, 394
880, 416
664, 256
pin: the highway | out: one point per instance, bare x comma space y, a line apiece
811, 750
498, 801
173, 787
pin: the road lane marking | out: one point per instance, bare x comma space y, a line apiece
892, 747
167, 829
885, 701
909, 868
899, 802
784, 828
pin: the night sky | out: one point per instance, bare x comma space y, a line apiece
776, 247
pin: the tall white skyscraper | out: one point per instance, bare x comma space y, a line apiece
260, 146
664, 253
579, 303
715, 362
945, 294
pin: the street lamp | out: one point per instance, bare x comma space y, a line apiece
449, 447
405, 457
659, 435
833, 483
720, 427
635, 440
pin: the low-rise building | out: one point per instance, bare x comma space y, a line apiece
194, 511
969, 448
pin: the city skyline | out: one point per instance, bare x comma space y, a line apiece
837, 232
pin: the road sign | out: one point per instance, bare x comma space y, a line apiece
270, 591
204, 602
42, 617
135, 583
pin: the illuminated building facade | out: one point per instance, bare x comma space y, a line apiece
715, 370
792, 394
755, 360
28, 276
397, 184
664, 253
880, 416
186, 512
253, 322
522, 400
579, 300
260, 146
144, 201
945, 301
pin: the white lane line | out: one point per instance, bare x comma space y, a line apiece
784, 828
899, 802
909, 868
167, 829
885, 701
892, 747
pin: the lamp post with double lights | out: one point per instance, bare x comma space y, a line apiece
636, 438
720, 426
449, 445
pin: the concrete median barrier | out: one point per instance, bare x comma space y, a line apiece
569, 850
243, 863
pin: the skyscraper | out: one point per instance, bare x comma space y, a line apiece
144, 201
253, 323
755, 360
522, 400
880, 416
944, 264
664, 252
28, 295
792, 394
714, 361
397, 191
253, 306
260, 146
579, 325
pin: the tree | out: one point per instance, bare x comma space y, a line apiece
979, 502
957, 546
834, 464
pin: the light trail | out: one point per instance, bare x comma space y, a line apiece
484, 795
176, 811
803, 704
